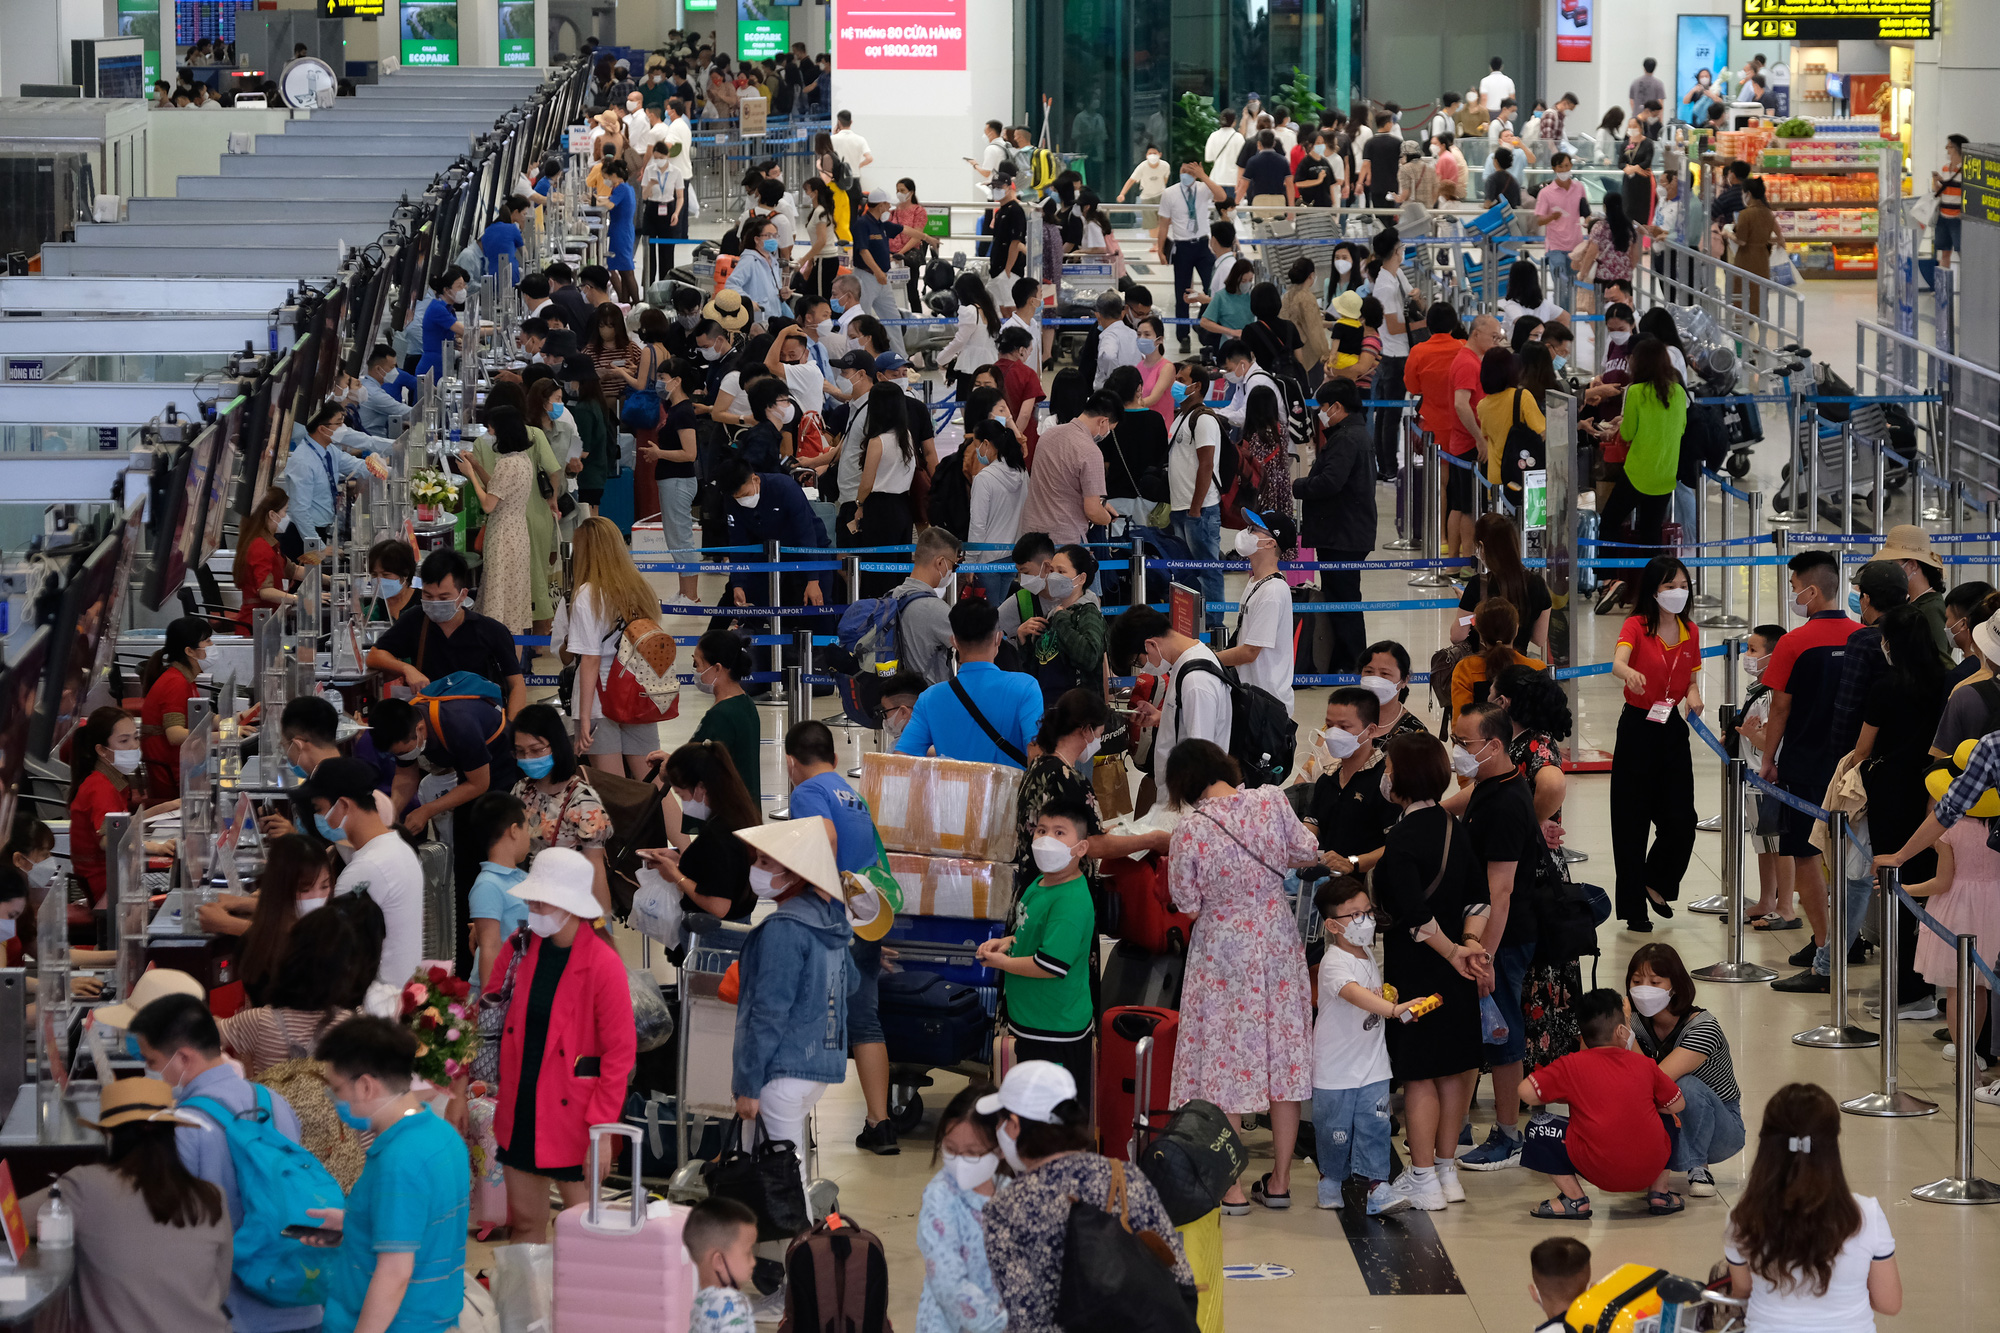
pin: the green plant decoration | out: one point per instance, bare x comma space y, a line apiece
1298, 95
1194, 121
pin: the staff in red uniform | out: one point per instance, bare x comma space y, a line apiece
105, 759
260, 571
170, 676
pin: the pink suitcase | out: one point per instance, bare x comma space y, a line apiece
620, 1270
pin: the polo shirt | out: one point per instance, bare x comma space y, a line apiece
1464, 374
874, 236
411, 1199
1067, 467
490, 901
498, 243
1054, 926
1806, 665
1022, 383
1266, 172
1428, 372
1010, 700
827, 796
480, 645
1188, 210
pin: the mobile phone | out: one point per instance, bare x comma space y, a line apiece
321, 1236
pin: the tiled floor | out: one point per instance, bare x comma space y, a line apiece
1484, 1242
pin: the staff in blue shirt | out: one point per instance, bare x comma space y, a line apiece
502, 238
621, 230
401, 1257
757, 273
382, 409
1010, 701
316, 468
441, 321
769, 506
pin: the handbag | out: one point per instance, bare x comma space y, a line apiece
1783, 271
492, 1016
1924, 211
765, 1179
1113, 1276
1583, 259
642, 409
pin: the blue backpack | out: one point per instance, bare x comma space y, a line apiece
278, 1180
868, 652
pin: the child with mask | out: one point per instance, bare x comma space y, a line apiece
1774, 888
1351, 1051
1047, 960
721, 1238
958, 1294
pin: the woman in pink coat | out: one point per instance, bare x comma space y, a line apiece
1245, 1039
568, 1043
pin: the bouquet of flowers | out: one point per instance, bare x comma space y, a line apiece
437, 1007
430, 487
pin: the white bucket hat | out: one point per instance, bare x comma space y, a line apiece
561, 877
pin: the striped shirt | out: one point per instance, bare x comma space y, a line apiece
263, 1036
1951, 194
1699, 1033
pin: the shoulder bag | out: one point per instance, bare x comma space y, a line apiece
641, 689
492, 1017
1006, 747
643, 409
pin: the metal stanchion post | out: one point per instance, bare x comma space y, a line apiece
1756, 571
1882, 489
1137, 574
1735, 779
1891, 1101
772, 553
1961, 1186
1993, 547
1433, 483
1719, 903
798, 694
1840, 1032
1725, 616
1409, 490
1701, 597
1847, 475
1809, 438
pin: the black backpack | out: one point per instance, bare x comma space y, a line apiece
1192, 1161
1263, 737
1567, 914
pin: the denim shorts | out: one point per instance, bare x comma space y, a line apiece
1944, 234
1510, 978
1546, 1147
864, 1008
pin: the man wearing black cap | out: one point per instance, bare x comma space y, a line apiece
341, 793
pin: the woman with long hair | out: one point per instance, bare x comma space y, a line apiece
104, 764
883, 513
1270, 336
1691, 1048
318, 979
972, 345
1609, 132
297, 879
168, 677
1504, 575
667, 459
1612, 246
721, 661
1653, 422
260, 571
539, 505
563, 809
1803, 1249
597, 424
819, 265
1658, 660
610, 593
1498, 622
506, 595
909, 247
1263, 448
998, 484
153, 1242
1525, 296
705, 860
1227, 312
612, 350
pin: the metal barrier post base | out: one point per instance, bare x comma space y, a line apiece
1838, 1033
1950, 1190
1734, 972
1572, 857
1827, 1037
1890, 1101
1713, 824
1889, 1104
1713, 905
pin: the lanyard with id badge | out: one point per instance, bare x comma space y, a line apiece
1664, 709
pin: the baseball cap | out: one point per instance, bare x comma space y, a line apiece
1032, 1090
878, 196
889, 361
1884, 584
854, 360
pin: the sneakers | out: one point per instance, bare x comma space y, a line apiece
1951, 1057
1988, 1093
1915, 1011
1329, 1195
1701, 1184
878, 1138
1803, 957
1385, 1198
1807, 982
1496, 1154
1425, 1196
1465, 1139
1448, 1182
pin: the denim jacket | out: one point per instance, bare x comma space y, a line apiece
791, 1015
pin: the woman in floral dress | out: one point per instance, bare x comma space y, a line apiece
1246, 1004
504, 592
563, 809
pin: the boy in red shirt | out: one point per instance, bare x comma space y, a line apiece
1620, 1130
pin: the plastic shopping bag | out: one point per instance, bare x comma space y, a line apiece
656, 909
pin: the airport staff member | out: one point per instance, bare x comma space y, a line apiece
380, 410
316, 469
439, 635
983, 715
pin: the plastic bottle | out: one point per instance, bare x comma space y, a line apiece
55, 1224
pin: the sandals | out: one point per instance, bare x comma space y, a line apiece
1663, 1203
1776, 922
1234, 1209
1563, 1208
1260, 1192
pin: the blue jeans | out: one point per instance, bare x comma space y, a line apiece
1510, 978
1711, 1129
1351, 1135
1684, 508
996, 585
1858, 889
1202, 535
864, 1014
1562, 278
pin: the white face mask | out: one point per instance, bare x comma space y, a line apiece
1247, 543
1343, 265
1060, 586
546, 924
1755, 665
694, 808
1152, 157
1052, 854
1009, 1149
969, 1173
1800, 607
748, 501
1340, 744
1090, 752
1464, 762
1564, 177
1034, 583
1649, 1000
764, 883
1387, 794
1616, 336
42, 874
1360, 932
127, 761
1672, 600
306, 905
1381, 687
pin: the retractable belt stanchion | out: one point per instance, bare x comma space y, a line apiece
1733, 968
773, 553
853, 569
1891, 1101
1408, 493
1433, 484
798, 694
1700, 598
1756, 571
1962, 1186
1719, 822
1840, 1032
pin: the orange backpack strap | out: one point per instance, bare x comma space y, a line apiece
437, 726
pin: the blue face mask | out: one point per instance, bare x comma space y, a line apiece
132, 1047
539, 766
1187, 178
349, 1118
1854, 605
1180, 391
298, 772
770, 245
834, 304
1560, 361
555, 411
326, 830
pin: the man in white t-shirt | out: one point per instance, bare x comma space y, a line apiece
790, 358
341, 793
1496, 87
1194, 494
1220, 153
848, 146
989, 159
1192, 699
1262, 652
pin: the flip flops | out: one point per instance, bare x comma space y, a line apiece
1776, 922
1260, 1192
1562, 1208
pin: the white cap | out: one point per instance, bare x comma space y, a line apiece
1032, 1090
561, 877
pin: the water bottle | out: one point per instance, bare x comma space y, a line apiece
55, 1224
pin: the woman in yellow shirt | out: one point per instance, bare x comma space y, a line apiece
1507, 377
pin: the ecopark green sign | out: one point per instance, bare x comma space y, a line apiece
517, 32
141, 18
430, 32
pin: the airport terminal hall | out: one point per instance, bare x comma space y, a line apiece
999, 666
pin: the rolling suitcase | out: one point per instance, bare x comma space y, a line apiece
932, 1022
1134, 976
1146, 915
948, 946
1117, 1072
440, 901
618, 1268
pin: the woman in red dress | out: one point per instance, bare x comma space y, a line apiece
170, 676
105, 759
261, 572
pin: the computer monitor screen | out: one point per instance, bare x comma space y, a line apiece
20, 683
326, 363
178, 531
229, 421
90, 600
275, 423
251, 436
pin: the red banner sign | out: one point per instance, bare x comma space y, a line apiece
900, 35
1575, 20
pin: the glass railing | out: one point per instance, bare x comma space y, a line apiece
133, 368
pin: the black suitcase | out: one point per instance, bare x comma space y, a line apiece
929, 1021
1134, 977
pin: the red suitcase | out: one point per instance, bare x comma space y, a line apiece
1146, 915
1118, 1072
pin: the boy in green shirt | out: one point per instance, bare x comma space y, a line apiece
1048, 958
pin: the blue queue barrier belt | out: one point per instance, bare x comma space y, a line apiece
1758, 540
724, 567
1722, 483
1692, 562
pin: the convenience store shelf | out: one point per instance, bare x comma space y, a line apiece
1820, 236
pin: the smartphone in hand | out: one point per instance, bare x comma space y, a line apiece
324, 1237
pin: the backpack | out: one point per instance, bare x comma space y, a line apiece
1566, 916
1192, 1161
301, 1081
640, 688
633, 807
1043, 168
867, 652
1263, 737
836, 1281
278, 1181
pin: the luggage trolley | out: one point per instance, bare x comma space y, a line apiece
944, 946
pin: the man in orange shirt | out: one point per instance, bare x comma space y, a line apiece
1467, 439
1428, 374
